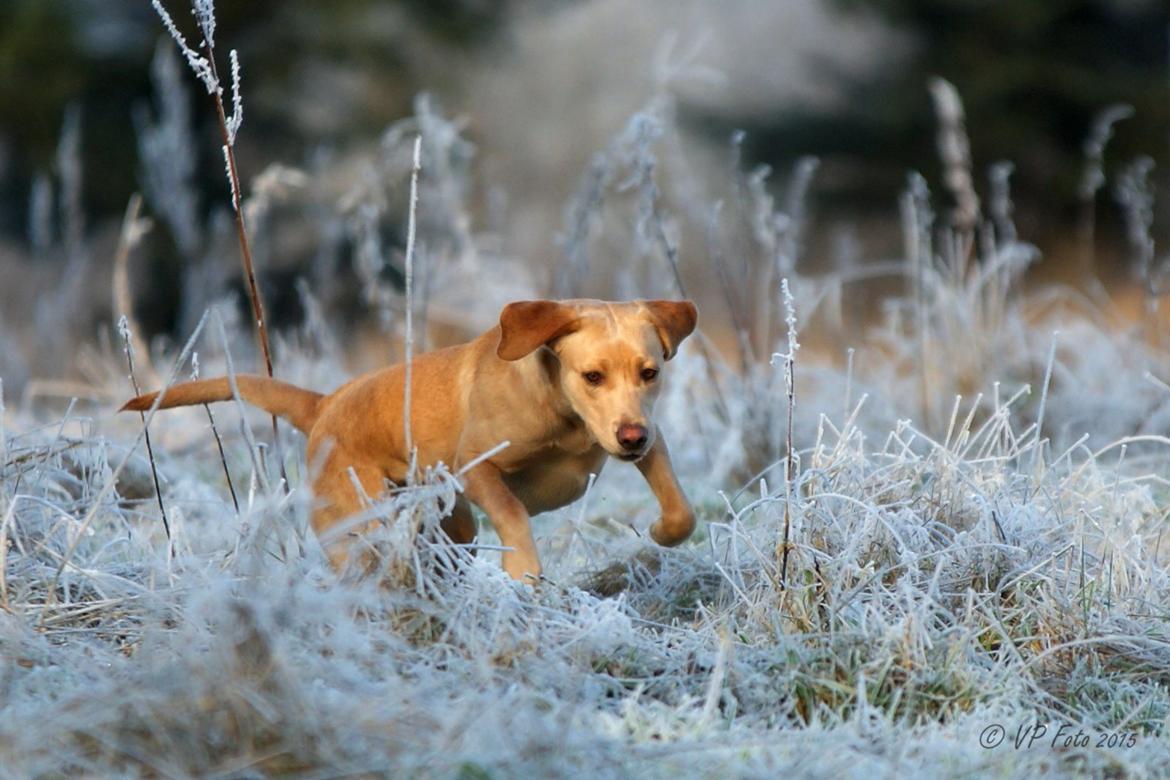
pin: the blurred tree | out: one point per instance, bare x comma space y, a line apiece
42, 70
314, 72
459, 21
1032, 75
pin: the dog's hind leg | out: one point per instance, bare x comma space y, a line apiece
460, 524
344, 487
458, 528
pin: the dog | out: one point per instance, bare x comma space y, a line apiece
568, 384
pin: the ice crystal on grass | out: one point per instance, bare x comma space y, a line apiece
237, 118
199, 64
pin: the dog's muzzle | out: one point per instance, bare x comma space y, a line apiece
632, 438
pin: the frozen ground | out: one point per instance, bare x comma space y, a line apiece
939, 583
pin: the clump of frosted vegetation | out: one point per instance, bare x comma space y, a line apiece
974, 496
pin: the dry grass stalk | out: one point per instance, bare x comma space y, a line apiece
133, 229
409, 263
127, 342
205, 68
218, 441
789, 452
955, 150
1093, 179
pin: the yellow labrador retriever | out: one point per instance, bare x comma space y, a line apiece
567, 383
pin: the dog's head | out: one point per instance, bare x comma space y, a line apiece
610, 358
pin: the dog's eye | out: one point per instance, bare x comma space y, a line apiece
593, 377
649, 374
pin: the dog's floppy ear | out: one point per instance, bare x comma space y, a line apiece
525, 326
674, 321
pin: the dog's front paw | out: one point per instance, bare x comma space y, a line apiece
521, 567
672, 529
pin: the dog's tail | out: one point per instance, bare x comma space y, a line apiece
299, 407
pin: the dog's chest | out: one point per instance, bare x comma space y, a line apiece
555, 478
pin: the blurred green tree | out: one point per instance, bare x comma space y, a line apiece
1032, 75
96, 54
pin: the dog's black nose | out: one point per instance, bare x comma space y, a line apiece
632, 437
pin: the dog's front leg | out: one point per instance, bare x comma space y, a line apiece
678, 519
484, 486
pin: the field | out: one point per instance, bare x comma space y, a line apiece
929, 545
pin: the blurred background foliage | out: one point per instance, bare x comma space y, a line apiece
843, 81
97, 54
1032, 75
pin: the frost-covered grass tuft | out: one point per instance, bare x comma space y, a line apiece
937, 584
